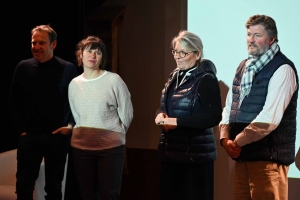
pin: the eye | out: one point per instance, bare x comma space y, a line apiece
182, 53
257, 35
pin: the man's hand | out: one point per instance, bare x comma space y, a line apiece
231, 147
63, 130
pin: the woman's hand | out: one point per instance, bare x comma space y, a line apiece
169, 124
165, 122
160, 117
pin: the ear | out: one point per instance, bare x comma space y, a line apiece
272, 40
53, 44
198, 55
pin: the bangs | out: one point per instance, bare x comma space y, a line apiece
93, 45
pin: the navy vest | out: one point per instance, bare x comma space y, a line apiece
279, 145
187, 145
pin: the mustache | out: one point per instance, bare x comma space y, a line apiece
252, 45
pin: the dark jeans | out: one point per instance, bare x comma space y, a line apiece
32, 148
99, 172
187, 181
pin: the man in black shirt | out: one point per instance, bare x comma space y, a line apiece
41, 114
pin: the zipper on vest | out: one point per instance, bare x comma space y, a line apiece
189, 143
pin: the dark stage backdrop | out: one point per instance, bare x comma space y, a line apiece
66, 17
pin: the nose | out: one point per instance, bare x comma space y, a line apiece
251, 38
93, 54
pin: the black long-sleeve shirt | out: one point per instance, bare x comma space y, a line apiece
39, 95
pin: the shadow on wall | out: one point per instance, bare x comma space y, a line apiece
224, 165
297, 159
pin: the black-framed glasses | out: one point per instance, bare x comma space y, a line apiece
181, 53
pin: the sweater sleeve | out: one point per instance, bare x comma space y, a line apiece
123, 97
210, 102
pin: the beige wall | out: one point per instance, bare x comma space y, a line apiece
145, 60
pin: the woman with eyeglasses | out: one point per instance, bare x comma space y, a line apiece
190, 107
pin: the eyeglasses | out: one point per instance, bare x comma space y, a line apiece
182, 54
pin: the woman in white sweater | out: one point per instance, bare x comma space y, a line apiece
102, 109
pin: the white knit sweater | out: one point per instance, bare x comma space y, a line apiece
102, 110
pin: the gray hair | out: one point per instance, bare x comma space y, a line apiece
188, 40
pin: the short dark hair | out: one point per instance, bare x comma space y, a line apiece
52, 34
267, 22
91, 42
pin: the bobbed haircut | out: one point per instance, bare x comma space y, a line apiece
91, 42
267, 22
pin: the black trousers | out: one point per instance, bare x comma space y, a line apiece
187, 181
32, 148
99, 172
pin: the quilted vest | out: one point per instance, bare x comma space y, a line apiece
187, 145
279, 145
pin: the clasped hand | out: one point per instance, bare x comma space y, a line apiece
165, 122
232, 148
